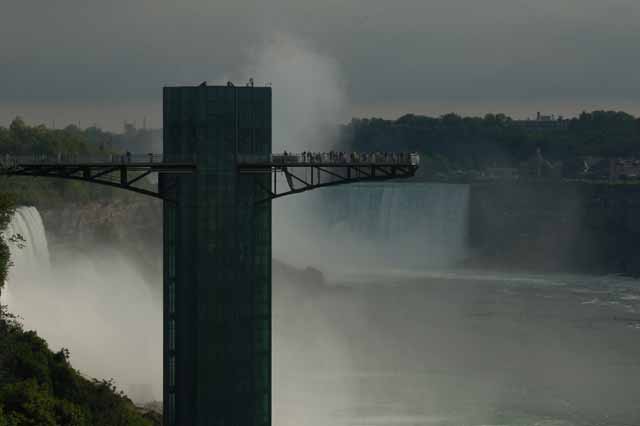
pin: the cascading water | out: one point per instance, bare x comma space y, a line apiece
91, 300
414, 226
29, 250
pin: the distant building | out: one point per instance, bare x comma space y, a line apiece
543, 122
540, 117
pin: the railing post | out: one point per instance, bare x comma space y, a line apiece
123, 175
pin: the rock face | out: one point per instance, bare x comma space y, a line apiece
133, 227
539, 226
557, 226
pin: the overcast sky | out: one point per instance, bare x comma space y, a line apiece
104, 62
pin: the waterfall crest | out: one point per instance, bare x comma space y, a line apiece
29, 250
410, 226
92, 300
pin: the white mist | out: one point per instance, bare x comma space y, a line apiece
93, 302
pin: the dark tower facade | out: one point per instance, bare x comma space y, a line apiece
217, 259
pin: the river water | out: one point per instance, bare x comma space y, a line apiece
400, 335
380, 337
461, 348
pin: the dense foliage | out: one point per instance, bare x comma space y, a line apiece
22, 139
7, 204
469, 143
39, 387
446, 143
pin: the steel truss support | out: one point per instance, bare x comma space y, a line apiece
322, 175
116, 175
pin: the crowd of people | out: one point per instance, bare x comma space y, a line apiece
352, 157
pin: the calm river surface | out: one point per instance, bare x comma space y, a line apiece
458, 348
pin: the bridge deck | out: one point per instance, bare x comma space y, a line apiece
266, 164
330, 159
302, 172
306, 171
169, 167
120, 171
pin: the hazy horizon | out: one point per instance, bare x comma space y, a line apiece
111, 116
106, 63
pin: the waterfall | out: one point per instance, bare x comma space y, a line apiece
409, 225
401, 225
29, 250
92, 300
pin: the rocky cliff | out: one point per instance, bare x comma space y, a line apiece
134, 228
534, 226
556, 226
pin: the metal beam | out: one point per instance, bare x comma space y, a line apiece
98, 173
137, 178
329, 176
331, 173
321, 185
101, 182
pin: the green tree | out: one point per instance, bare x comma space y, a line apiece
28, 404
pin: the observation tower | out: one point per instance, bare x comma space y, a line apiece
217, 177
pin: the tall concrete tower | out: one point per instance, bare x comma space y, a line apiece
217, 260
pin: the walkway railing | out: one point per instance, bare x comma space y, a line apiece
333, 158
302, 171
309, 170
8, 160
361, 158
126, 171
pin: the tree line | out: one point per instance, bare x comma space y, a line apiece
449, 142
21, 139
475, 143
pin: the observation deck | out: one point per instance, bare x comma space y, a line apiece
120, 171
217, 238
309, 170
302, 171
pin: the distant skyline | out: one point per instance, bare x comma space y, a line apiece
112, 116
106, 62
